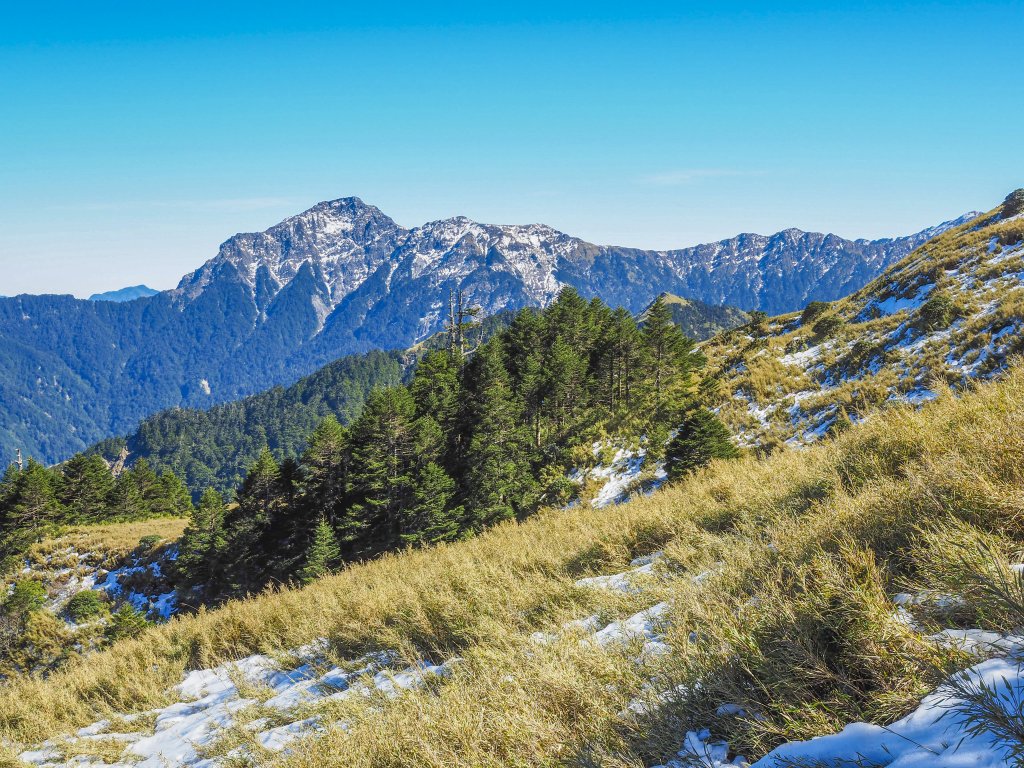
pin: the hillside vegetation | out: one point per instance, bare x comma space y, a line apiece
770, 616
950, 313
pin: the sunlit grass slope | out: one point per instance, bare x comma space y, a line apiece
790, 617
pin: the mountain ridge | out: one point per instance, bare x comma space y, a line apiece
340, 278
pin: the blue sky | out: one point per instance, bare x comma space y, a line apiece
134, 138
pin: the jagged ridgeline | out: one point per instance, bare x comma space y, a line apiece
473, 439
344, 278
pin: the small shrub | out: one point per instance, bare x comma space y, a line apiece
828, 326
813, 311
758, 322
84, 605
28, 595
147, 543
126, 622
938, 311
701, 438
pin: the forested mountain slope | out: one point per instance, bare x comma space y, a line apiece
214, 448
342, 278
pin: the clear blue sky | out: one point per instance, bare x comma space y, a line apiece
134, 139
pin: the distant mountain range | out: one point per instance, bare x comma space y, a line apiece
343, 277
125, 294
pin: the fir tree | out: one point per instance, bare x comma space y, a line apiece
84, 488
498, 482
323, 553
325, 466
668, 351
33, 503
202, 544
701, 438
125, 502
383, 454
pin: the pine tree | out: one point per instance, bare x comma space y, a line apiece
170, 497
383, 454
148, 485
202, 544
252, 525
124, 501
325, 467
430, 517
668, 352
323, 553
33, 503
498, 482
84, 488
701, 438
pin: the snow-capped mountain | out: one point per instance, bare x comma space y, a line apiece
343, 277
346, 248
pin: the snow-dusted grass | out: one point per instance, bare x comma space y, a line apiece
951, 313
772, 607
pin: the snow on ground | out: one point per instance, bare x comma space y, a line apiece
621, 476
139, 580
940, 733
934, 735
210, 700
894, 304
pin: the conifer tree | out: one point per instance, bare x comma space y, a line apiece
84, 488
668, 351
148, 486
382, 460
202, 543
322, 554
124, 501
33, 503
525, 363
431, 518
250, 554
498, 481
325, 469
701, 438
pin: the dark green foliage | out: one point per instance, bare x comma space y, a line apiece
201, 546
938, 311
474, 439
84, 487
126, 621
214, 448
27, 595
37, 498
84, 605
813, 311
701, 438
828, 326
700, 321
322, 554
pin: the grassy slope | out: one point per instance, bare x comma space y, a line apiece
794, 620
791, 378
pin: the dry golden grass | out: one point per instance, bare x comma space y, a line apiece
108, 541
792, 620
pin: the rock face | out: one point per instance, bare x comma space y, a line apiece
343, 277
